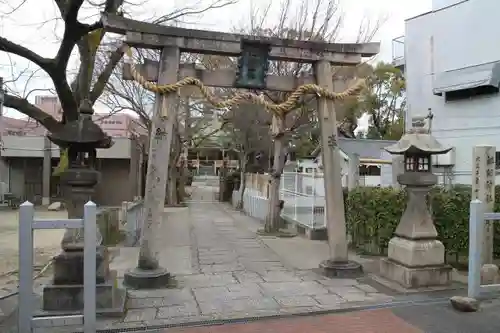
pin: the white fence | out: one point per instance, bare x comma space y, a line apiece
477, 220
27, 224
254, 203
303, 195
304, 199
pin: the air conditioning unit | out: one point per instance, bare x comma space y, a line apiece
444, 160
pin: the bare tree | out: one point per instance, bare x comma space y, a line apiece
126, 95
86, 35
247, 133
315, 20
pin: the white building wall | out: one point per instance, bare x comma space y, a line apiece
454, 37
32, 146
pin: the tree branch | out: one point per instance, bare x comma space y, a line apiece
72, 31
23, 106
103, 78
11, 47
204, 137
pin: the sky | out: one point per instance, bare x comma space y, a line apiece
33, 26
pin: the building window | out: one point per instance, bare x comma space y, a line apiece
458, 95
309, 190
369, 170
16, 133
497, 160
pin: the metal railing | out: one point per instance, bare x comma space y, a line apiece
27, 224
132, 220
304, 198
477, 220
398, 48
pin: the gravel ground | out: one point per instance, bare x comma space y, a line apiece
46, 243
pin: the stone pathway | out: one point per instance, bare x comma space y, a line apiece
224, 271
236, 275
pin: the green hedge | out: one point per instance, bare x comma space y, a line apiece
373, 213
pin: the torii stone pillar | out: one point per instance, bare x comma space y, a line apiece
338, 264
148, 273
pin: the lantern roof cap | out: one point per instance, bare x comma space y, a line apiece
82, 132
417, 140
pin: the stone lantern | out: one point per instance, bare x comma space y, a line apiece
415, 256
81, 138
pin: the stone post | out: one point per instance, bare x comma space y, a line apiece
338, 264
353, 176
483, 188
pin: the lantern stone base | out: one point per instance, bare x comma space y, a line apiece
416, 263
64, 296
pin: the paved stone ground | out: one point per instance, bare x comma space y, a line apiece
232, 274
224, 271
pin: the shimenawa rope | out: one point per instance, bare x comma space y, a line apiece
282, 108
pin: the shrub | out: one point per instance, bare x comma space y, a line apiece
373, 213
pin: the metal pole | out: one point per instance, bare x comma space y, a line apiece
2, 96
26, 301
89, 267
295, 194
476, 229
313, 196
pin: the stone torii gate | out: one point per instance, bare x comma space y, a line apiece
254, 53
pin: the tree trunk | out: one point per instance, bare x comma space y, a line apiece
243, 183
273, 219
171, 198
222, 181
172, 185
171, 191
182, 181
183, 169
